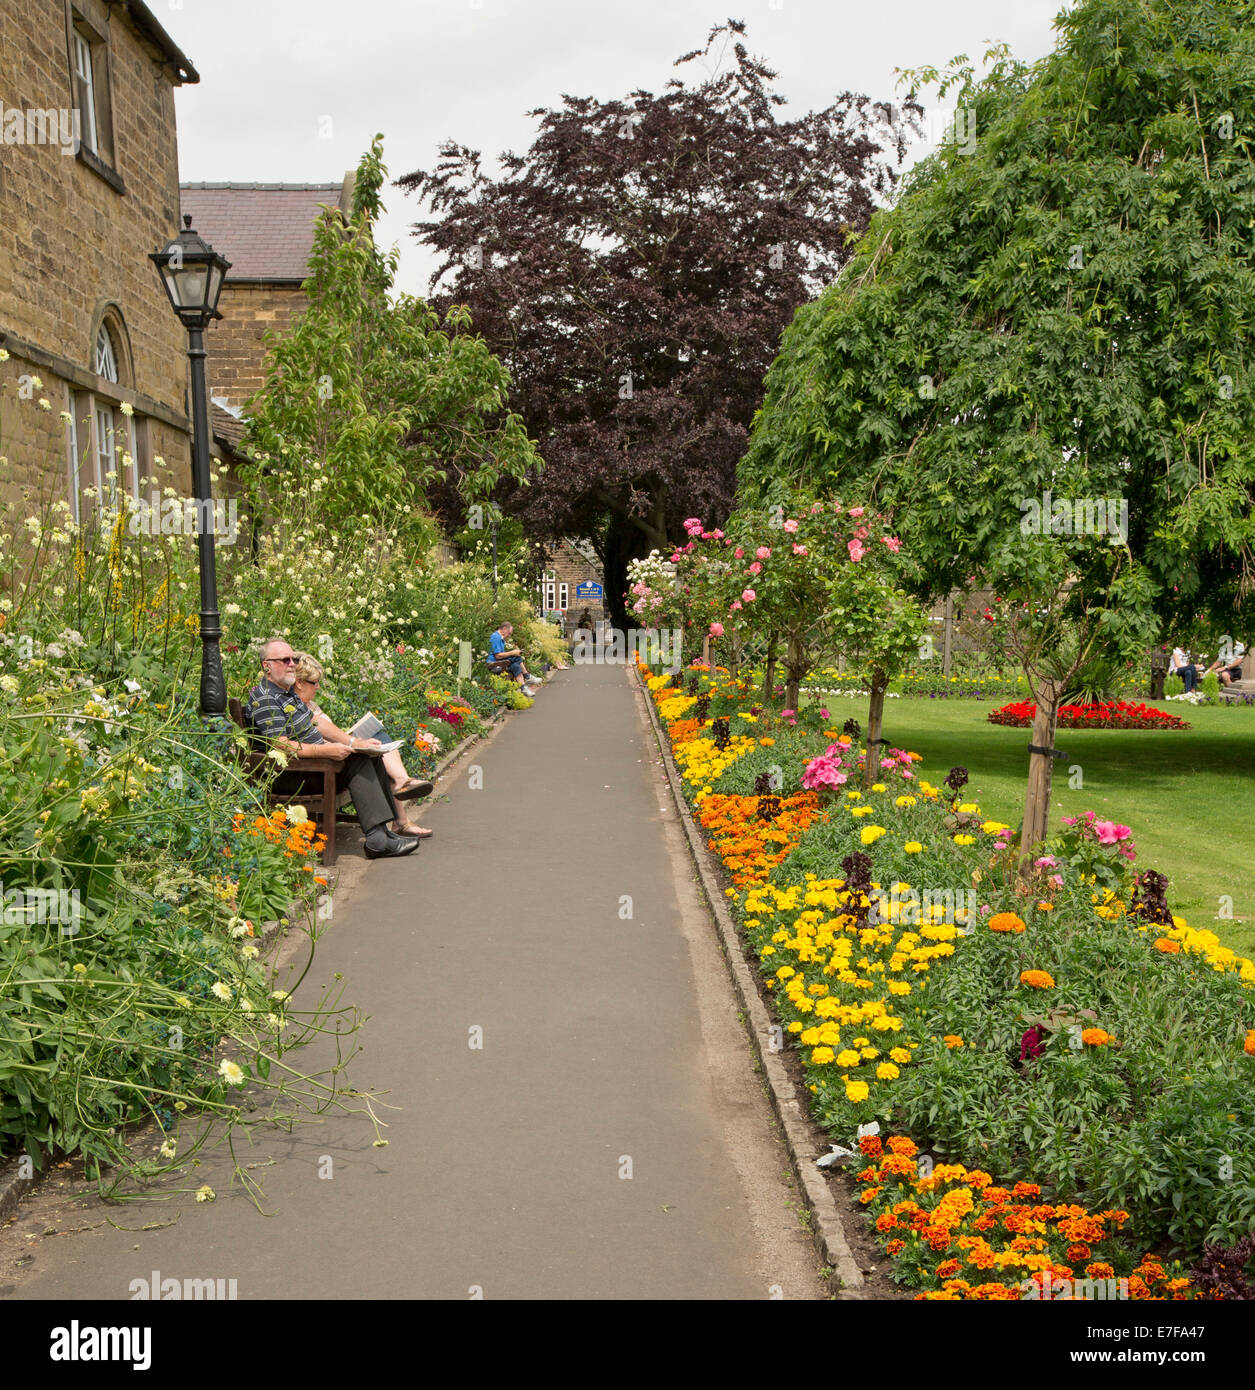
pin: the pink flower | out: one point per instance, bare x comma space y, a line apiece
693, 525
799, 550
1055, 880
638, 606
763, 552
1047, 861
857, 511
856, 550
1106, 832
734, 606
862, 533
675, 556
716, 535
893, 543
756, 568
816, 507
716, 629
739, 552
748, 595
790, 526
823, 714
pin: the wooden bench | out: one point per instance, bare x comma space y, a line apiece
322, 804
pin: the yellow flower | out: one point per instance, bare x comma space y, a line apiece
848, 1058
965, 839
861, 810
913, 847
856, 1091
871, 833
821, 1055
879, 787
900, 1055
886, 1071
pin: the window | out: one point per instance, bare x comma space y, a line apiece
106, 358
85, 86
92, 97
106, 459
548, 592
562, 597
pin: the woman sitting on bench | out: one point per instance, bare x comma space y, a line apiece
309, 675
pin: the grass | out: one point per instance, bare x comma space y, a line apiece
1187, 795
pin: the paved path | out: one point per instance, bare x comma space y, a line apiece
609, 1045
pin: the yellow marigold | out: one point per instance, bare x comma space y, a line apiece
900, 1055
886, 1071
848, 1058
1168, 946
965, 839
1005, 921
1095, 1037
871, 833
1037, 979
913, 847
820, 1055
856, 1091
952, 1040
861, 810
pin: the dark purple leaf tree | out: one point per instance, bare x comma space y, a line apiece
634, 271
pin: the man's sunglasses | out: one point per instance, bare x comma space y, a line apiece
287, 660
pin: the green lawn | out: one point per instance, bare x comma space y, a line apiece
1189, 796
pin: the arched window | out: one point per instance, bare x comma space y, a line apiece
106, 357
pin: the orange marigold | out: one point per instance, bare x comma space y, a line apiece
1037, 979
952, 1040
1167, 946
1249, 1045
1006, 921
1095, 1037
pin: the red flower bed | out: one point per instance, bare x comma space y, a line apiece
1111, 714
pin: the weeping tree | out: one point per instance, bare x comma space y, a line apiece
1038, 362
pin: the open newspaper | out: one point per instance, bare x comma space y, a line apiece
368, 726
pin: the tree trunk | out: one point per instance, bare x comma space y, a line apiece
794, 663
769, 680
1040, 770
875, 720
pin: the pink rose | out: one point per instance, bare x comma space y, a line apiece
856, 550
893, 543
756, 568
716, 535
675, 556
692, 525
763, 552
799, 550
734, 606
857, 511
748, 595
716, 629
790, 526
739, 552
816, 507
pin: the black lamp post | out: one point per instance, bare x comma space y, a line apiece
192, 272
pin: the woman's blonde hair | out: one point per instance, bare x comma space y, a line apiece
307, 668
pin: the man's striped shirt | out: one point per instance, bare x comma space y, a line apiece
274, 712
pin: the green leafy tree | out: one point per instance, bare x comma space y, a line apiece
1060, 303
370, 398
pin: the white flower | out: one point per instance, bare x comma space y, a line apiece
249, 952
133, 686
168, 1149
205, 1194
45, 403
231, 1073
127, 409
9, 683
280, 995
4, 356
222, 991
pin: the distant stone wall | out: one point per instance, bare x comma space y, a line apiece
236, 342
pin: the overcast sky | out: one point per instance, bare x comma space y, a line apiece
292, 91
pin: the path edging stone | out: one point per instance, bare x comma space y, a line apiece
827, 1229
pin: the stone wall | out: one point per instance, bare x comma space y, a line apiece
75, 234
236, 342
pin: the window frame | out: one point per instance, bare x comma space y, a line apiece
93, 91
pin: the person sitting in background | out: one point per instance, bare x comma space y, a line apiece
1181, 665
1228, 665
505, 658
275, 712
309, 675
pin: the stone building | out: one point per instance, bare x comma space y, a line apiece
572, 581
89, 185
266, 231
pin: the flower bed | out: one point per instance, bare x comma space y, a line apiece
1112, 714
1029, 1026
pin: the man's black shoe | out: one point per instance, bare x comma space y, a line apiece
392, 846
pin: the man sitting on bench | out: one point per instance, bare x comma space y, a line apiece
274, 711
505, 658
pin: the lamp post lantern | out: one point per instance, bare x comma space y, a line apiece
192, 273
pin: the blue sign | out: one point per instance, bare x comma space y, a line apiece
588, 591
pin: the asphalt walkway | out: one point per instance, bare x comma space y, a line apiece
608, 1139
